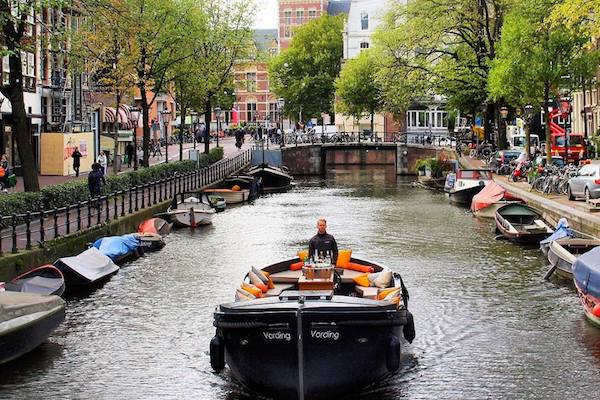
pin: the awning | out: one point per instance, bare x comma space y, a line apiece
124, 118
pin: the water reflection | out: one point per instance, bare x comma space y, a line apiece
487, 324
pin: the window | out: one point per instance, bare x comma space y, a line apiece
250, 111
312, 14
299, 17
251, 81
364, 45
286, 32
287, 17
364, 21
273, 112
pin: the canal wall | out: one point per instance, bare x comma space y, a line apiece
12, 265
315, 159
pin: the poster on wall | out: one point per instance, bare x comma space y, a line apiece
83, 148
69, 149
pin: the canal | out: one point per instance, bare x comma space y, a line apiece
488, 326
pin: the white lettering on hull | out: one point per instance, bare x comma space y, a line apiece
278, 335
329, 334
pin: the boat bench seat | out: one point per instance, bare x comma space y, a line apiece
366, 292
286, 276
279, 287
348, 275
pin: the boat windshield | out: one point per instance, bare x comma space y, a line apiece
474, 174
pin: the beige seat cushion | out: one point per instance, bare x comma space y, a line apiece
366, 292
286, 276
279, 287
348, 275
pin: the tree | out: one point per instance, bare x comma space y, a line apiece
102, 48
440, 47
304, 74
227, 40
579, 15
14, 40
533, 56
356, 88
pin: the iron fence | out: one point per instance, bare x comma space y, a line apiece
23, 230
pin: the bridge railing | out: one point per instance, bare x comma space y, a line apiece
300, 137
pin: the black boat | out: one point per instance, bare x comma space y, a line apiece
520, 223
150, 242
272, 179
87, 269
26, 320
299, 344
45, 280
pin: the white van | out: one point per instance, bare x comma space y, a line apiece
517, 142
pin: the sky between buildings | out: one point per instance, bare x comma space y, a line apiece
266, 14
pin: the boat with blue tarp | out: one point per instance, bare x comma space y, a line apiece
586, 275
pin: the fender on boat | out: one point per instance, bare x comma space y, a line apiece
409, 329
393, 354
217, 354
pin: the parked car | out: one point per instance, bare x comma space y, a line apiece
586, 183
557, 161
502, 161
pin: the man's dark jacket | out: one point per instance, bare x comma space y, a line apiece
323, 243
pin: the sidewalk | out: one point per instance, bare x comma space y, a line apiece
227, 143
554, 206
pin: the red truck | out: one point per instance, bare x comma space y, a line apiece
574, 149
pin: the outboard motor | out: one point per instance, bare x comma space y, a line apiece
217, 354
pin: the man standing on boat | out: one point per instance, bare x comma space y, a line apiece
323, 243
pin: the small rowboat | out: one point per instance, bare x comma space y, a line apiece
190, 213
230, 196
45, 280
155, 225
272, 179
563, 253
86, 270
522, 224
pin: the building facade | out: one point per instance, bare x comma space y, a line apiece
293, 13
586, 111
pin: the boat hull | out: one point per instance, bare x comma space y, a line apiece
311, 353
27, 336
44, 280
230, 196
563, 253
525, 226
273, 180
183, 219
465, 196
588, 302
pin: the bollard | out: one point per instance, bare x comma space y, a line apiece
28, 231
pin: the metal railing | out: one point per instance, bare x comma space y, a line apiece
298, 138
23, 230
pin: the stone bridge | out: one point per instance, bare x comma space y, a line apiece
315, 159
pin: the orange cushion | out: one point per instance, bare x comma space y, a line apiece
236, 188
343, 258
297, 266
303, 255
382, 294
256, 281
252, 289
358, 267
362, 280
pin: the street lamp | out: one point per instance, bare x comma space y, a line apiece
194, 126
218, 115
280, 105
528, 117
166, 116
503, 116
135, 112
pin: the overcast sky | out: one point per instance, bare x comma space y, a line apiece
266, 15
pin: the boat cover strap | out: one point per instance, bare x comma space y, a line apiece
240, 324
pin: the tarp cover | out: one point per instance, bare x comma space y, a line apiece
117, 246
155, 225
14, 305
488, 196
586, 272
91, 264
562, 231
36, 284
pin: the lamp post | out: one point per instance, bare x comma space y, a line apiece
528, 117
503, 117
218, 115
166, 116
280, 105
194, 126
135, 112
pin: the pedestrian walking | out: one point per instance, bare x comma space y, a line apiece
76, 155
102, 161
95, 182
130, 151
4, 173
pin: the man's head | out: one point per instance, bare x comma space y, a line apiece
76, 149
322, 226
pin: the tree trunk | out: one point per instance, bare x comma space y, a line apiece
207, 115
181, 130
145, 125
372, 123
547, 128
116, 129
527, 139
490, 118
20, 128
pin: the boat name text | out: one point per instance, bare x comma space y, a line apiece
328, 334
278, 335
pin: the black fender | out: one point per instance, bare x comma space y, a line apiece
393, 354
217, 354
409, 329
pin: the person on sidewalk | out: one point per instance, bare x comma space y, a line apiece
76, 155
130, 151
102, 161
5, 166
95, 181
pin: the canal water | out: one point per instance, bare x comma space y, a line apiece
488, 326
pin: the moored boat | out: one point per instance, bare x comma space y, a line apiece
217, 202
490, 199
272, 179
155, 225
26, 321
150, 242
87, 269
229, 195
120, 249
520, 223
586, 275
44, 280
317, 337
562, 254
562, 230
468, 183
189, 213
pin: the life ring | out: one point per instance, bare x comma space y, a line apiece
217, 354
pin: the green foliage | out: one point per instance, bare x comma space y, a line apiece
437, 165
71, 192
356, 88
304, 73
